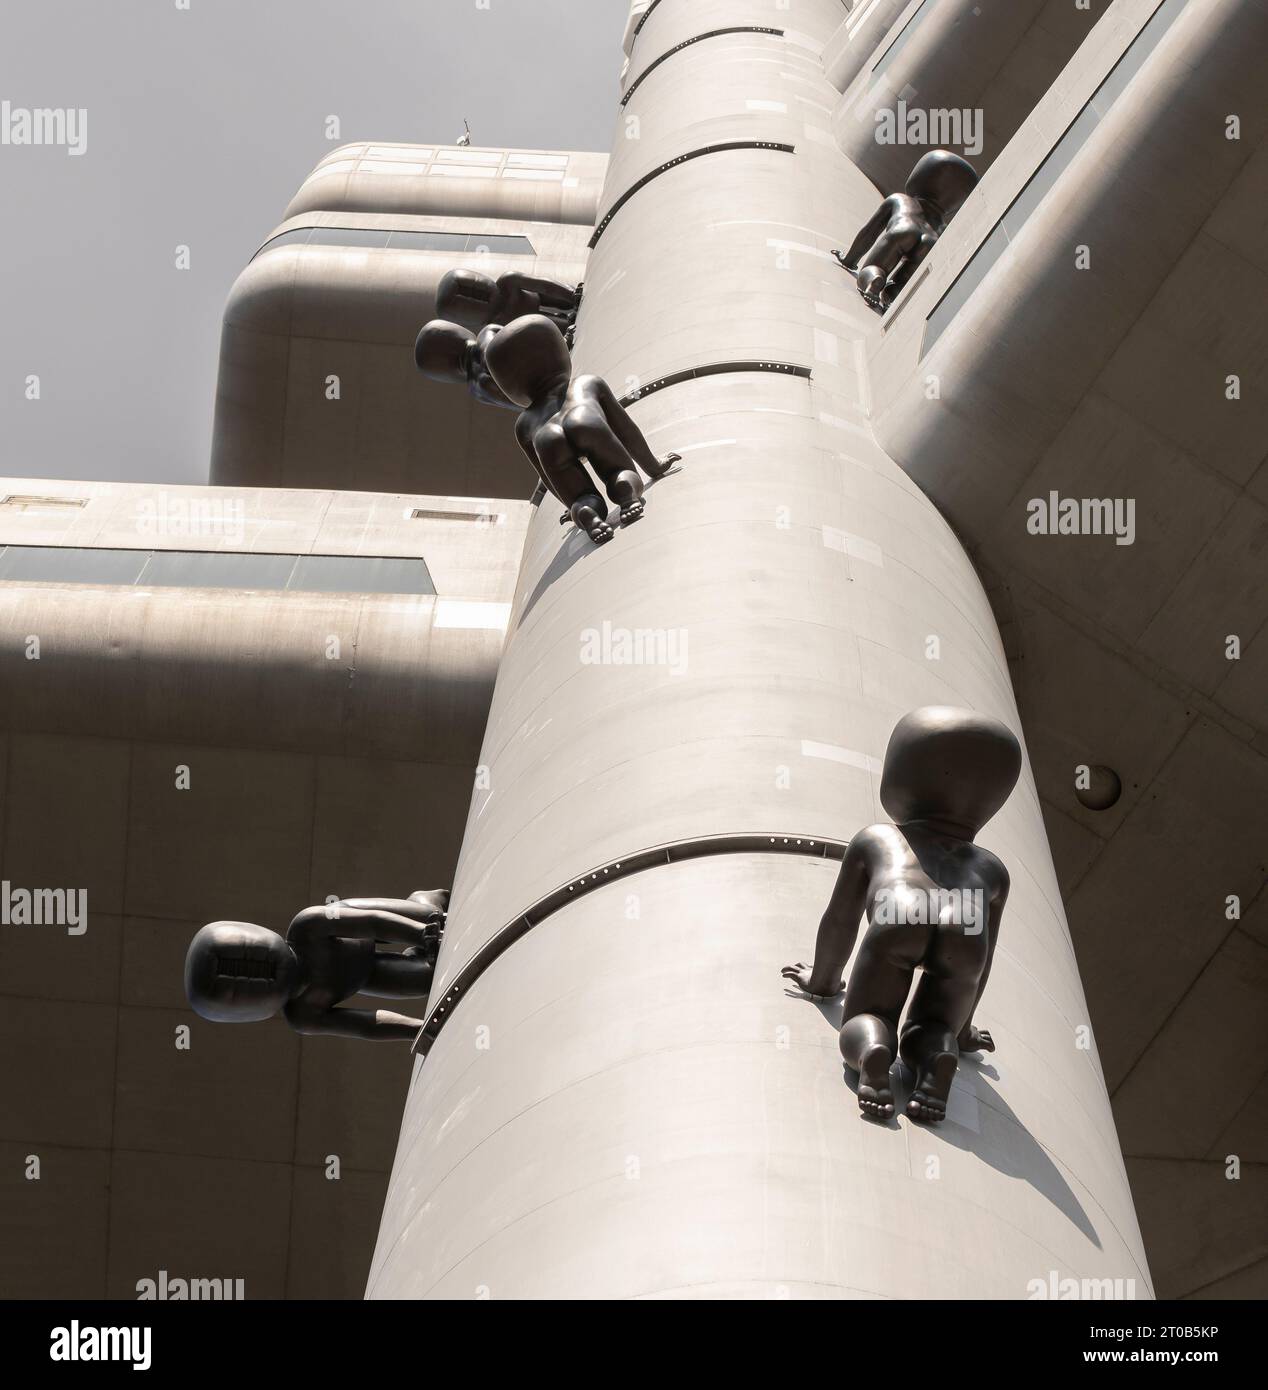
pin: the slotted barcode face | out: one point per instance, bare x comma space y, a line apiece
245, 968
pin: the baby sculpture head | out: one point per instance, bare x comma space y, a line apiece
465, 295
440, 351
236, 972
949, 767
529, 359
943, 179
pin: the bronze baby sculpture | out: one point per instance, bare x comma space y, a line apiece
476, 299
447, 352
903, 230
236, 972
933, 901
565, 420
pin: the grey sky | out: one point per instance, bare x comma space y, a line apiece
201, 125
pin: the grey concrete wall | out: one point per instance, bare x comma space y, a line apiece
1112, 382
307, 777
300, 314
629, 1102
859, 36
379, 178
992, 58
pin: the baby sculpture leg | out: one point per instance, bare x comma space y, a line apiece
562, 469
940, 1010
621, 425
590, 436
876, 266
874, 999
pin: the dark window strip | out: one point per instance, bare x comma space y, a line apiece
686, 43
899, 41
647, 14
713, 369
700, 847
215, 569
395, 239
673, 163
1047, 172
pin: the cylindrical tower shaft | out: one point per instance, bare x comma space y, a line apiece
627, 1101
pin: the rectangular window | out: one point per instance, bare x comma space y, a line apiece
57, 564
391, 166
451, 243
470, 157
464, 171
541, 175
499, 245
361, 574
401, 152
427, 241
216, 569
348, 236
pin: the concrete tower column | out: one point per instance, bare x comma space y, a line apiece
624, 1100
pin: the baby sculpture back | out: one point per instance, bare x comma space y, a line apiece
567, 422
905, 228
933, 901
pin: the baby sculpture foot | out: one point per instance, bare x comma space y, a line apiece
663, 466
626, 490
591, 516
876, 1100
928, 1101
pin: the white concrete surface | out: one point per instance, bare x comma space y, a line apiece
629, 1103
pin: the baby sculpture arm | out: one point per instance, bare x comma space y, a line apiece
377, 1025
479, 379
239, 972
627, 441
839, 926
475, 299
519, 294
416, 923
972, 1038
360, 919
447, 352
866, 238
904, 229
568, 423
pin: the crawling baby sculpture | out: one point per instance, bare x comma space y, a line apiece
933, 901
904, 229
476, 299
565, 421
236, 972
447, 352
